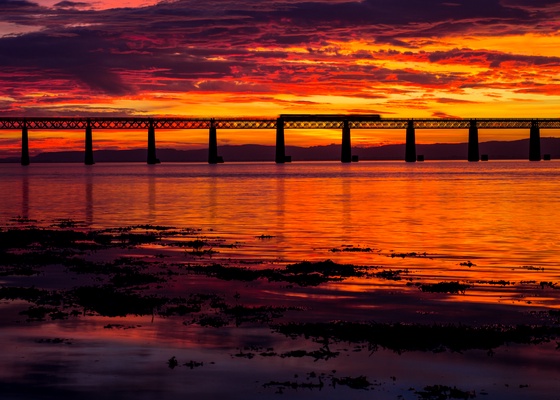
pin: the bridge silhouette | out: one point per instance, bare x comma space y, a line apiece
345, 122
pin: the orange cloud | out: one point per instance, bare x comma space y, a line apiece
485, 58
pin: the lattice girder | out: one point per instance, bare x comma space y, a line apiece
141, 123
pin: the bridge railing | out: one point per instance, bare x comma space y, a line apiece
291, 121
346, 122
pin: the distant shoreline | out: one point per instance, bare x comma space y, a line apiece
495, 150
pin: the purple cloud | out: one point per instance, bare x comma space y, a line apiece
188, 45
71, 4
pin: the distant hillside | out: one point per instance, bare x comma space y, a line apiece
496, 150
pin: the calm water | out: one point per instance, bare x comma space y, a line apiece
505, 212
475, 222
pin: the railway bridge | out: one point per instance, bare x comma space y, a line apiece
345, 122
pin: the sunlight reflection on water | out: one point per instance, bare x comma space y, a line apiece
502, 211
433, 221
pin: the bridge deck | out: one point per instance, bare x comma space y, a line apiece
291, 121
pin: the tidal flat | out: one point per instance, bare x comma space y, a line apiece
149, 311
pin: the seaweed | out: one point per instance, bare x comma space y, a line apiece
281, 386
134, 239
327, 268
360, 382
193, 364
120, 326
445, 287
551, 285
441, 392
352, 249
37, 237
228, 273
467, 264
133, 278
54, 341
108, 301
196, 244
153, 227
390, 274
409, 255
237, 314
31, 294
23, 220
417, 337
532, 268
308, 273
500, 282
172, 362
38, 313
263, 237
214, 321
322, 354
65, 223
315, 381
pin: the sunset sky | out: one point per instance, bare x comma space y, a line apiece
400, 58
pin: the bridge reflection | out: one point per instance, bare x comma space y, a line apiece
345, 122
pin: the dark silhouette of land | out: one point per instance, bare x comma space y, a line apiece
496, 150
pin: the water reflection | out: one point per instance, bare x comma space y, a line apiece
494, 210
25, 194
281, 213
213, 195
152, 198
280, 203
89, 196
308, 215
346, 215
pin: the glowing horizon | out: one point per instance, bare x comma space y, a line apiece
476, 59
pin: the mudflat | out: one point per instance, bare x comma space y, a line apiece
150, 311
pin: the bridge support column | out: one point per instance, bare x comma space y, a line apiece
473, 142
280, 144
212, 144
152, 143
89, 145
410, 149
535, 142
346, 154
24, 145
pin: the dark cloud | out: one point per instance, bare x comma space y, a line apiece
445, 100
76, 55
441, 114
535, 5
230, 87
72, 4
99, 61
382, 15
20, 12
492, 59
42, 110
243, 45
9, 5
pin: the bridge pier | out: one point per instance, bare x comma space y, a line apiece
346, 155
89, 145
280, 144
213, 144
473, 155
535, 142
410, 149
24, 145
152, 159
